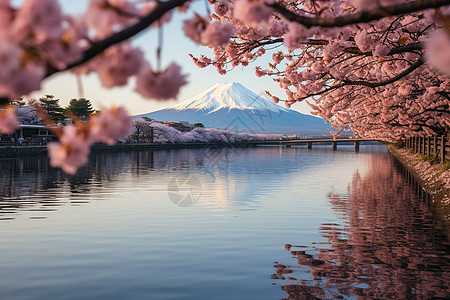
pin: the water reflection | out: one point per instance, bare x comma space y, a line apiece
228, 175
387, 246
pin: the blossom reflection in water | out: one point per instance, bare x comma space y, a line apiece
378, 250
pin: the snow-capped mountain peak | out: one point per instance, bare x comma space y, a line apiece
229, 96
232, 106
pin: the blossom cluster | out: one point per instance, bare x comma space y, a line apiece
75, 140
38, 39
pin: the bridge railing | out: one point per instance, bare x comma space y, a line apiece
437, 146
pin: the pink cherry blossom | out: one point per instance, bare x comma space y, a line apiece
368, 4
260, 72
160, 85
194, 28
381, 50
105, 15
18, 76
437, 51
277, 28
217, 34
296, 35
33, 20
202, 32
71, 152
6, 18
202, 61
252, 12
110, 124
221, 7
118, 64
8, 120
363, 40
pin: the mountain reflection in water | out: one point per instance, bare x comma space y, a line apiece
30, 184
388, 245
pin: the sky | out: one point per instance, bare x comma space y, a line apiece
175, 48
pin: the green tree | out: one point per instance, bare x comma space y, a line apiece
82, 108
52, 107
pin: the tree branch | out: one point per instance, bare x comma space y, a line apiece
406, 48
419, 62
118, 37
362, 16
409, 70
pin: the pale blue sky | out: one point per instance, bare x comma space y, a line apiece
176, 47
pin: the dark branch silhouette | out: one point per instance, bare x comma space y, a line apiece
360, 17
118, 37
419, 62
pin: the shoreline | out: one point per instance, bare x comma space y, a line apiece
432, 179
10, 152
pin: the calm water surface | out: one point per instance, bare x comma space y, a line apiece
259, 223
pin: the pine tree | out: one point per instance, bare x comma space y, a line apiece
52, 108
81, 108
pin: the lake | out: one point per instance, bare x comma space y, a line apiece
219, 223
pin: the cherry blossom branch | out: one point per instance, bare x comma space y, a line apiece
362, 16
4, 101
444, 94
98, 47
419, 62
406, 48
417, 46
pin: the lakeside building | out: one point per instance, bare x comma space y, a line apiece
28, 135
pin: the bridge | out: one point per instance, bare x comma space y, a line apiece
309, 142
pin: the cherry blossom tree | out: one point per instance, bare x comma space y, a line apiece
27, 115
378, 67
164, 134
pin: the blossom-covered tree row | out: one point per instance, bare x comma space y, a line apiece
164, 134
378, 67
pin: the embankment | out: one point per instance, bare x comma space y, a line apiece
17, 152
433, 178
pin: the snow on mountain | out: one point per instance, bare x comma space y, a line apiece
229, 96
234, 107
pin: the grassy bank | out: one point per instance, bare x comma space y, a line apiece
433, 177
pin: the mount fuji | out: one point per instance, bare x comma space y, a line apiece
234, 107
